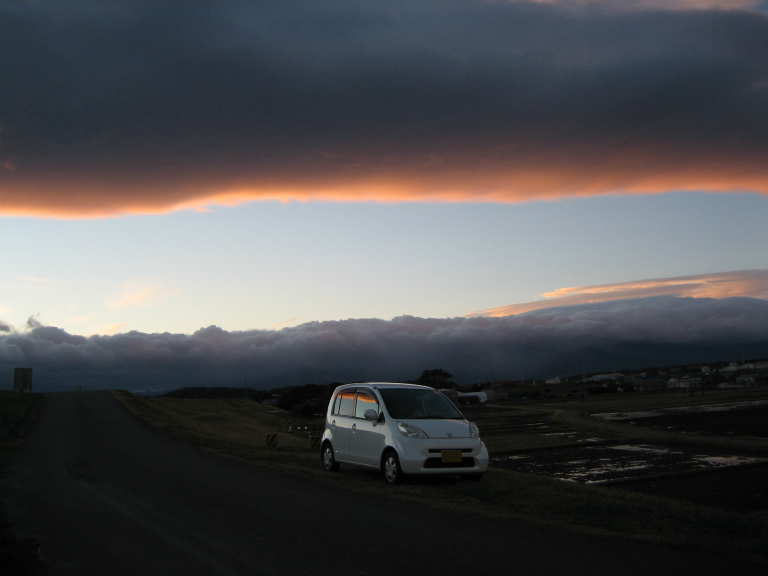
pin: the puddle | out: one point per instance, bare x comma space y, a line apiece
644, 448
599, 464
727, 460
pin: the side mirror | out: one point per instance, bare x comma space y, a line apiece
371, 415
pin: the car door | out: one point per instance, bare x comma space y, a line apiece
367, 437
341, 423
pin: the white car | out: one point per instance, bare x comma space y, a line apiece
400, 429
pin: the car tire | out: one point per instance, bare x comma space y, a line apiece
390, 468
472, 477
328, 458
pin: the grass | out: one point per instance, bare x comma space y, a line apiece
17, 414
236, 429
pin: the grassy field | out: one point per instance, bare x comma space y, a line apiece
237, 428
17, 414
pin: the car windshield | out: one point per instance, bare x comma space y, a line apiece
408, 403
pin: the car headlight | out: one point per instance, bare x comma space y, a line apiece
411, 431
474, 431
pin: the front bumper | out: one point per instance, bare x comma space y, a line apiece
425, 456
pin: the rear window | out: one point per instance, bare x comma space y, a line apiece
410, 403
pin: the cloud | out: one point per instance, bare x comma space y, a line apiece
38, 280
292, 320
631, 5
139, 294
137, 107
565, 340
38, 286
746, 283
108, 328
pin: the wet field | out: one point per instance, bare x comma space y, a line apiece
597, 464
714, 476
734, 419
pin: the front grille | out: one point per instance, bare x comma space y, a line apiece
438, 463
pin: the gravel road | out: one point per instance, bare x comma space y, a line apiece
105, 494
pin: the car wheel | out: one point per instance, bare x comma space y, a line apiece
393, 474
472, 477
329, 460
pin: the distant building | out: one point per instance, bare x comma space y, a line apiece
748, 380
452, 395
648, 383
600, 377
555, 380
686, 382
732, 367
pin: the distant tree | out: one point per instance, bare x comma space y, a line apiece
436, 378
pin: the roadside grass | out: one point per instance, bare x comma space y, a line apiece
236, 429
17, 414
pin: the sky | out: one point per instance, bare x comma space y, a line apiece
354, 171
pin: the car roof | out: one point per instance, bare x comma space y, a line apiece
382, 385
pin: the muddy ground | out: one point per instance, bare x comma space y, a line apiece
752, 421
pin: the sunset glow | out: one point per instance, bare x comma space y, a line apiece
746, 283
463, 187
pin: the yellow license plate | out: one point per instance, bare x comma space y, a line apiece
451, 456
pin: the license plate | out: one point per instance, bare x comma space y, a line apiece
451, 456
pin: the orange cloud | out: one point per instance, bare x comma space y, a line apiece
502, 180
284, 322
108, 329
746, 283
139, 294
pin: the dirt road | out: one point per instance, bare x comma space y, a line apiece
103, 493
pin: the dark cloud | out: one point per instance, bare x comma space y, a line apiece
567, 340
138, 106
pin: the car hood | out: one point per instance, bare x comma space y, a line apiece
441, 428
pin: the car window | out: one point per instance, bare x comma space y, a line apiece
418, 403
365, 401
347, 404
336, 402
